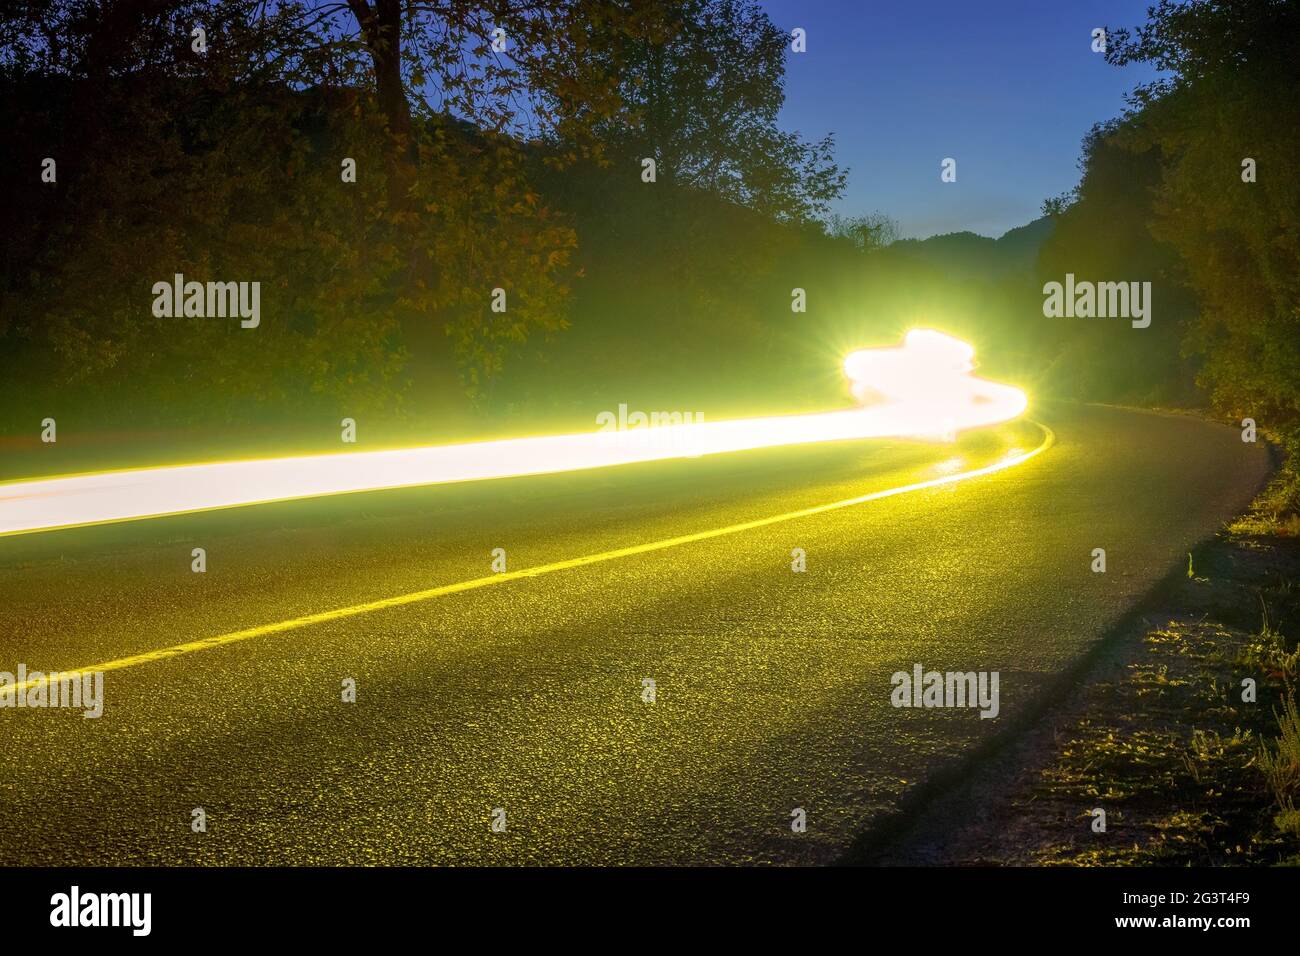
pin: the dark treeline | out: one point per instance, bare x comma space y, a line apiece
1195, 189
153, 138
220, 157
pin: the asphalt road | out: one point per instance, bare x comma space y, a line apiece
772, 687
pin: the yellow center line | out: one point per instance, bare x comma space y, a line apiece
415, 597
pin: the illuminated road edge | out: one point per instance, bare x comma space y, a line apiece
922, 389
415, 597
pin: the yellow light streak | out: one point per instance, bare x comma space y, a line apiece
922, 389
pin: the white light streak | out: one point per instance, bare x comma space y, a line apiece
922, 389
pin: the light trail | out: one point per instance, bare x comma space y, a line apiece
505, 577
923, 388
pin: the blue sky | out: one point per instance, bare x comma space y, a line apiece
1008, 88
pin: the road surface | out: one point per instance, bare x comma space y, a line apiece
772, 688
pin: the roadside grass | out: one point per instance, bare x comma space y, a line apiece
1171, 762
1270, 650
1276, 510
1189, 769
1280, 763
1185, 731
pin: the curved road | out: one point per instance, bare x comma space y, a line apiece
772, 687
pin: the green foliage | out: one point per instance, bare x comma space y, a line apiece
867, 232
473, 167
1229, 97
1280, 762
700, 84
1102, 234
226, 165
161, 172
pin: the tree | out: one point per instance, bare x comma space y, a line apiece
173, 159
867, 232
463, 166
700, 84
1231, 69
224, 163
1103, 235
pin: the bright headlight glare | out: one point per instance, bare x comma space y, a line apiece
922, 389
